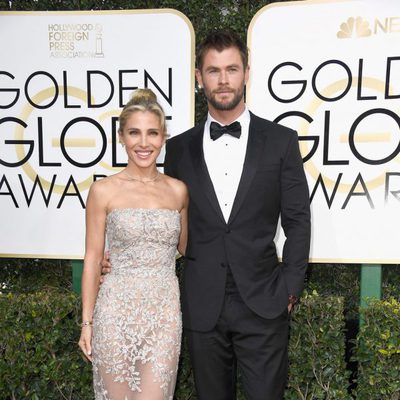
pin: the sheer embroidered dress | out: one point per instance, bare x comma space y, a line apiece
137, 319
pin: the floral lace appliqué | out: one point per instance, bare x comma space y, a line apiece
137, 320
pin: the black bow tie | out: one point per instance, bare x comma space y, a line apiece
216, 130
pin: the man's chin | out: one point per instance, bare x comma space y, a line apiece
228, 103
224, 106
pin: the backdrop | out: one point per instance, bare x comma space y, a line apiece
64, 78
331, 70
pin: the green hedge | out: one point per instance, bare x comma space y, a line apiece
317, 350
378, 352
40, 359
22, 275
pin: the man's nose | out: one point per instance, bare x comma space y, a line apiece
223, 77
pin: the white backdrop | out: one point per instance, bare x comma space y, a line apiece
64, 77
334, 68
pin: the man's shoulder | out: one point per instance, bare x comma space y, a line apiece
272, 130
184, 137
271, 127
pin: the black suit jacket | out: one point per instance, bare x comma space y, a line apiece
272, 185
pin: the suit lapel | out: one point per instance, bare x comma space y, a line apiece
255, 147
201, 171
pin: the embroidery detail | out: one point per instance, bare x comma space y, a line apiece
137, 320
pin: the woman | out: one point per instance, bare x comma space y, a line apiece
131, 327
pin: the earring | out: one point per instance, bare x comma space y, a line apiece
123, 145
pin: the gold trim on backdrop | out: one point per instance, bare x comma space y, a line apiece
353, 261
311, 260
42, 256
320, 260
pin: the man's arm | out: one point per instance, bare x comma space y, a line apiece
168, 164
295, 219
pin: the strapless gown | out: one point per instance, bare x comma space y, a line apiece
137, 319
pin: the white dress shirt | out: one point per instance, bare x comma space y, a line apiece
224, 158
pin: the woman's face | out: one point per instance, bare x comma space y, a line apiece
143, 138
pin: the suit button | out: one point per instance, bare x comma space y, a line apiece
227, 230
223, 265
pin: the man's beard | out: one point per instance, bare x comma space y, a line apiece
223, 106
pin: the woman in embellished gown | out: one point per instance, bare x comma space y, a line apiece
131, 325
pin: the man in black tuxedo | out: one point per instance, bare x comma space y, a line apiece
243, 173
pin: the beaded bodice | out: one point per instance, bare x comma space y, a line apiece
141, 237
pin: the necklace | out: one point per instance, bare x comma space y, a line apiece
142, 180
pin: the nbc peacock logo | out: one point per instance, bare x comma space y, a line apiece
354, 27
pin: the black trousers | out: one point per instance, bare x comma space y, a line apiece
241, 338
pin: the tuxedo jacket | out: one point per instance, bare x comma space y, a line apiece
272, 185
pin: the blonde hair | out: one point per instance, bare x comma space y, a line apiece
142, 100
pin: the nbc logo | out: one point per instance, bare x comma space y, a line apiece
354, 27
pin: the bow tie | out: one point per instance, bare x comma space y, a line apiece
216, 130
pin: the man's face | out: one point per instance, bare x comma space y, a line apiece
223, 78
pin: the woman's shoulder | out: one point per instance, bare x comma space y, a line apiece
176, 185
105, 186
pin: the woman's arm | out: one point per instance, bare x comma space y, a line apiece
95, 239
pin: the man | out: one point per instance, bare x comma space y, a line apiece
242, 176
242, 173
